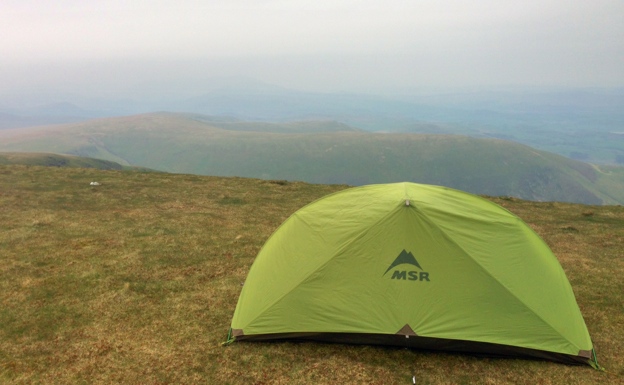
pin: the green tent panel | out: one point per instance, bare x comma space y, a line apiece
412, 265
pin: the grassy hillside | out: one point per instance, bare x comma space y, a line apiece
136, 280
58, 160
323, 152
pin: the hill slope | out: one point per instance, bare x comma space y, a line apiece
325, 153
57, 160
136, 280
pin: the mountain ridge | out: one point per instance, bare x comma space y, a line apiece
325, 152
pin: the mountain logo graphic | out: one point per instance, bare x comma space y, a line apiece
407, 258
404, 257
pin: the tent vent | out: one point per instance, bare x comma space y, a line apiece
407, 202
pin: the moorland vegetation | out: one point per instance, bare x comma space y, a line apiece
136, 280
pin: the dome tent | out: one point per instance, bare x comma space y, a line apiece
412, 265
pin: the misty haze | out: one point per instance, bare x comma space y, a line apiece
417, 192
543, 74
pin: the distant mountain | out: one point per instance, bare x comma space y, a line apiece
44, 114
582, 124
277, 104
325, 152
576, 123
9, 120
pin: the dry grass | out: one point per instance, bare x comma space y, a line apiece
136, 280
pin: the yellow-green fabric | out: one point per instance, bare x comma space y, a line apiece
448, 264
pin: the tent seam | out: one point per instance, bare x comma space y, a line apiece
326, 262
493, 277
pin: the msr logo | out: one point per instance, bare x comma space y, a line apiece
404, 258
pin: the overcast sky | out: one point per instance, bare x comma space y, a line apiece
324, 45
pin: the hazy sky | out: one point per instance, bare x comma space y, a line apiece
328, 45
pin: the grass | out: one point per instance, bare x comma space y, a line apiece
136, 281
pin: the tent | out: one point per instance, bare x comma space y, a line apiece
412, 265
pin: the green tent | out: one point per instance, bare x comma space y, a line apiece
417, 266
